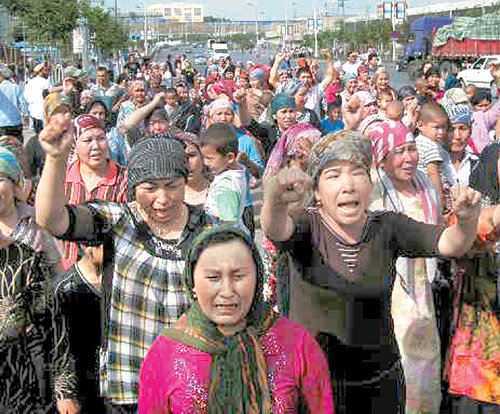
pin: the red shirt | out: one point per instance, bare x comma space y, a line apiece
113, 188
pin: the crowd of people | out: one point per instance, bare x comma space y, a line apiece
138, 278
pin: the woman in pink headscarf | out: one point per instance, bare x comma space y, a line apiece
402, 188
291, 151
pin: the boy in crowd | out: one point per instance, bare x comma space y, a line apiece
333, 121
226, 194
433, 127
384, 99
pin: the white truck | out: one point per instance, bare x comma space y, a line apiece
217, 49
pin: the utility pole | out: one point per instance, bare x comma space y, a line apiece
315, 26
145, 27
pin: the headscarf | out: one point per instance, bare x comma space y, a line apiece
221, 103
288, 145
85, 122
365, 97
457, 106
387, 136
290, 87
156, 157
9, 165
6, 72
239, 370
54, 103
340, 146
281, 101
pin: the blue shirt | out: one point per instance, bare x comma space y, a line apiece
12, 104
246, 144
328, 126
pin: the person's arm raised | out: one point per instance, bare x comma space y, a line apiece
273, 74
136, 117
286, 187
56, 140
457, 239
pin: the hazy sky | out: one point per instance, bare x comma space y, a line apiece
267, 9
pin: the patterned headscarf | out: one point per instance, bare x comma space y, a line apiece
9, 165
54, 103
288, 146
387, 136
85, 122
238, 371
341, 146
290, 87
281, 101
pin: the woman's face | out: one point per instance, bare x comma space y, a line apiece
301, 154
363, 76
383, 81
433, 80
300, 97
255, 83
344, 190
459, 137
161, 199
351, 85
285, 118
222, 115
243, 83
92, 148
225, 279
483, 106
99, 112
401, 163
195, 160
8, 192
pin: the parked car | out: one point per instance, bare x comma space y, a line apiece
479, 73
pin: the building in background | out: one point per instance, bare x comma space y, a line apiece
178, 12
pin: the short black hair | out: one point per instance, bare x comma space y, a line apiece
481, 95
222, 137
90, 104
371, 56
303, 70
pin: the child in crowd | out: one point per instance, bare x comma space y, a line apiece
226, 194
422, 91
385, 97
333, 122
433, 128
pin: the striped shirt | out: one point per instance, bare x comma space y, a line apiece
144, 291
349, 255
113, 187
428, 151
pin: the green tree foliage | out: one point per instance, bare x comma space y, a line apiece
370, 33
53, 21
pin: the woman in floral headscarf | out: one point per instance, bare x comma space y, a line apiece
230, 352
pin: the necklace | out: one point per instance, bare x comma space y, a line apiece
166, 231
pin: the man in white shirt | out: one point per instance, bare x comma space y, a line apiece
315, 93
35, 92
352, 64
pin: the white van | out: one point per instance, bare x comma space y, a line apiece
218, 49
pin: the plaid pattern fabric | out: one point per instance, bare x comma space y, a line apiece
111, 188
147, 292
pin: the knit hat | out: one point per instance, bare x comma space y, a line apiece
156, 158
341, 146
457, 106
386, 136
281, 101
38, 68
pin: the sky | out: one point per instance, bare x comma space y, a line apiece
266, 9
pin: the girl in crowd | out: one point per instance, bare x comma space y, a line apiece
347, 258
197, 183
230, 352
381, 83
404, 189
